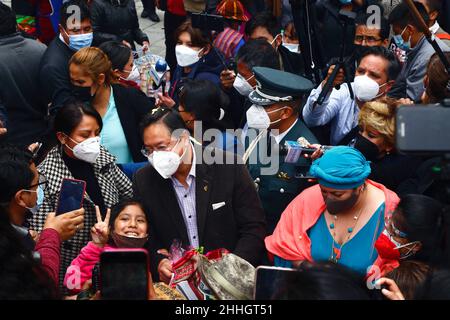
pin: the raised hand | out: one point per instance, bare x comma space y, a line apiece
340, 78
390, 290
227, 78
100, 231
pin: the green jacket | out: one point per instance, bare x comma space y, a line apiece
278, 190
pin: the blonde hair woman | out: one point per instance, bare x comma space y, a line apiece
121, 108
376, 141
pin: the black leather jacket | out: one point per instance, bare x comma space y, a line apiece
116, 20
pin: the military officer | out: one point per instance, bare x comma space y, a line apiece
275, 116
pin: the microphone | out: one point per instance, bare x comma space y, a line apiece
158, 71
293, 150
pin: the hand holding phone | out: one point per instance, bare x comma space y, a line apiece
66, 224
71, 195
269, 280
125, 275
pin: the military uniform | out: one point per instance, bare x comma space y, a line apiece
277, 190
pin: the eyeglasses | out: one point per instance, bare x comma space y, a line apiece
368, 39
42, 181
147, 151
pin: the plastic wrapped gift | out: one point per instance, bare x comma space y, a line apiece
153, 71
26, 24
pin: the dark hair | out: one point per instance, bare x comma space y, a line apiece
15, 172
291, 25
385, 28
67, 13
70, 115
120, 206
394, 66
204, 99
198, 37
117, 52
409, 275
8, 24
438, 87
435, 287
169, 117
323, 281
422, 219
401, 16
264, 20
21, 277
434, 5
258, 53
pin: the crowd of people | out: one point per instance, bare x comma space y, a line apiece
205, 163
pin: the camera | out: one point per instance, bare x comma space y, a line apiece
423, 129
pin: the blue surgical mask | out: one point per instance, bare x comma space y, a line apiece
79, 41
39, 201
406, 46
345, 1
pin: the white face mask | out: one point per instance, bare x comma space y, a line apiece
186, 56
88, 150
134, 75
258, 118
366, 89
292, 47
166, 163
242, 86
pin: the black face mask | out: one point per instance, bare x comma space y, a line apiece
82, 93
338, 206
367, 148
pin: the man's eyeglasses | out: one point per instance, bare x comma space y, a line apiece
368, 39
43, 182
147, 151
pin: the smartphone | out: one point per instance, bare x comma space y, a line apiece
207, 22
71, 195
423, 129
124, 274
269, 281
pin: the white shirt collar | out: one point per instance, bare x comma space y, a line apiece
194, 158
435, 27
280, 137
62, 39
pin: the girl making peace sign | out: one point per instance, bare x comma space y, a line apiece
124, 226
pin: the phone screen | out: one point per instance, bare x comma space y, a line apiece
269, 281
71, 195
124, 275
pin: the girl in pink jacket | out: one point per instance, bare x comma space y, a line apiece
125, 226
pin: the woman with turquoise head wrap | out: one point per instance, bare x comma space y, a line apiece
342, 216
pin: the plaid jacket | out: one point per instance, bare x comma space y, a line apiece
114, 186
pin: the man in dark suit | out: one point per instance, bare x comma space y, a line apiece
192, 195
54, 69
